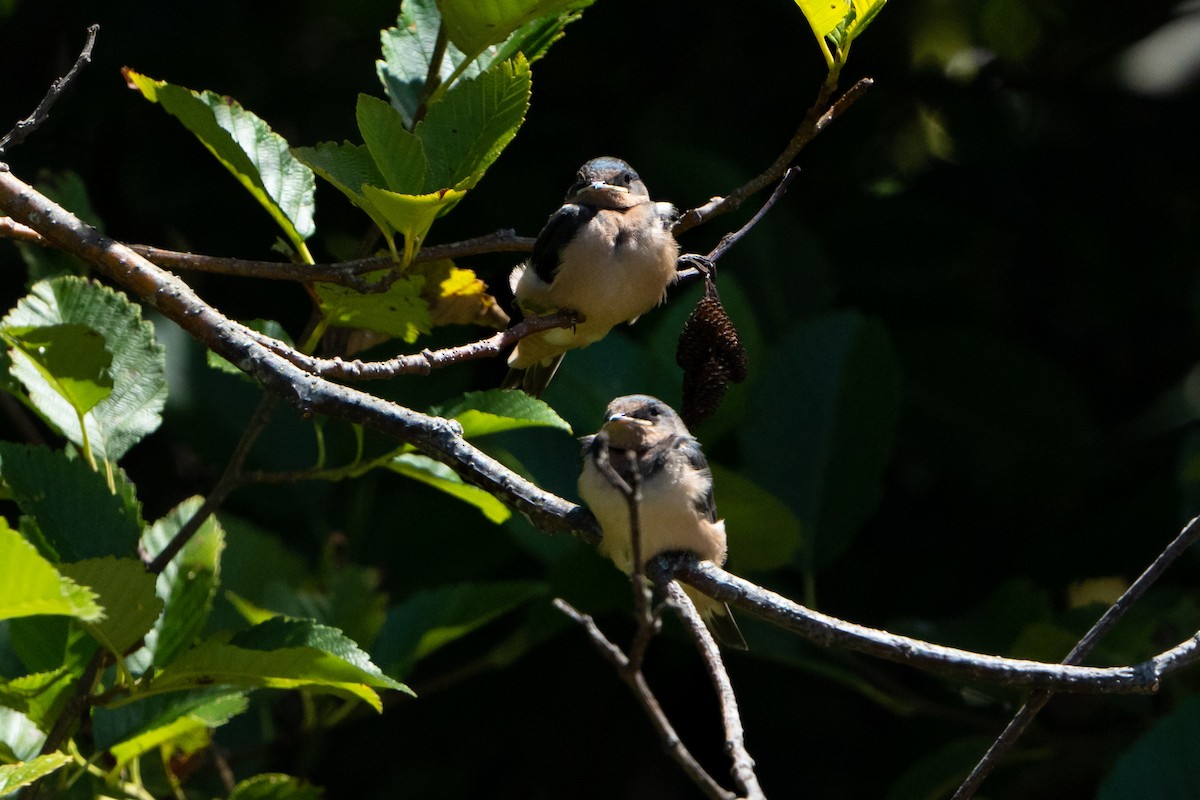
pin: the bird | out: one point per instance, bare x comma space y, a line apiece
677, 510
607, 255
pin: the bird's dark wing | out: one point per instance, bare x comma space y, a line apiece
559, 229
707, 504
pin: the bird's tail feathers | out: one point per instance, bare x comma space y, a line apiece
533, 379
719, 619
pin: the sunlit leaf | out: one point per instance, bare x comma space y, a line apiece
496, 410
441, 477
133, 407
14, 776
473, 25
243, 142
400, 311
457, 296
32, 586
70, 359
188, 584
282, 654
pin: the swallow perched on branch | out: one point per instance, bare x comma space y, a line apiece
676, 511
607, 254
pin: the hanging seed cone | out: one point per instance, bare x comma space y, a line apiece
711, 355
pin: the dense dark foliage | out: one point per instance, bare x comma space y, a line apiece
1002, 234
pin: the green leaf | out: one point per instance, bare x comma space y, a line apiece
269, 327
400, 311
14, 776
411, 215
496, 410
824, 15
439, 476
273, 786
763, 532
256, 156
1161, 764
188, 584
20, 737
126, 591
77, 515
472, 25
465, 131
408, 51
70, 359
430, 620
821, 418
398, 154
283, 654
133, 408
146, 724
32, 586
457, 296
39, 697
348, 167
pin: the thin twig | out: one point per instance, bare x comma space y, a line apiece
730, 239
742, 768
418, 363
31, 123
816, 119
228, 481
345, 273
1038, 700
636, 682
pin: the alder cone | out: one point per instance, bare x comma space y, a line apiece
711, 355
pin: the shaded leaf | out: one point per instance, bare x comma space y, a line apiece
763, 532
138, 727
77, 516
832, 388
430, 620
274, 786
399, 155
126, 590
348, 167
1161, 764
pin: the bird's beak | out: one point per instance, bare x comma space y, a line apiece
601, 186
625, 422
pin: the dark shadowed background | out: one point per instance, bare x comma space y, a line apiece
972, 326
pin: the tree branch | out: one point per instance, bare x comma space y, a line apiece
31, 123
1185, 653
742, 768
345, 273
441, 439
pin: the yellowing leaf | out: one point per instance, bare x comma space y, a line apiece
457, 296
824, 15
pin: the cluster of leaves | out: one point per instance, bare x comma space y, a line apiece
76, 583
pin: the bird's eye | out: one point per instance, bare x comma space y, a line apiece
653, 411
623, 179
